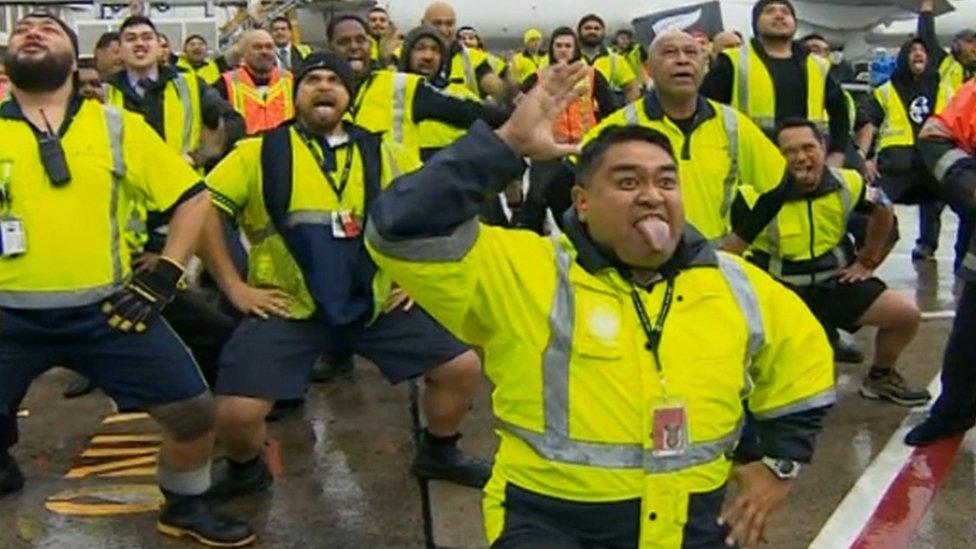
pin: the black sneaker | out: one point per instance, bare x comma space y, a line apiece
847, 352
191, 517
934, 429
11, 479
921, 252
328, 369
445, 461
892, 387
241, 480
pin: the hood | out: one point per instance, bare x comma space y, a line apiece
903, 72
411, 39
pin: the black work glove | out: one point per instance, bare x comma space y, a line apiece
133, 307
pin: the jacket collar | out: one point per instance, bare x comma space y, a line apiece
166, 73
10, 110
828, 184
692, 251
799, 54
653, 109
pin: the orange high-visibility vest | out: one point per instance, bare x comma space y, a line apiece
579, 116
261, 111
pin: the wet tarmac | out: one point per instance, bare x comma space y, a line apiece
341, 461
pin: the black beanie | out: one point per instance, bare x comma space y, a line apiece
64, 26
332, 62
590, 17
761, 4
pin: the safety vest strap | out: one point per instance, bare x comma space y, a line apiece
399, 104
113, 120
55, 300
631, 116
470, 77
743, 83
555, 443
730, 120
183, 91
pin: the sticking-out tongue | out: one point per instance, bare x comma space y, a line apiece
655, 232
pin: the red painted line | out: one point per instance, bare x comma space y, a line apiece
908, 498
272, 456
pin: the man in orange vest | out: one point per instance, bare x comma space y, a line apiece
258, 89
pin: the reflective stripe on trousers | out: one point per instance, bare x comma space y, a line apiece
555, 443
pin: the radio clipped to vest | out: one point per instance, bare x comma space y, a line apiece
13, 241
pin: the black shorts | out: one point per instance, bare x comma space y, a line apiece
138, 371
273, 359
841, 305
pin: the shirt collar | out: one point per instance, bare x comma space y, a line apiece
153, 75
10, 110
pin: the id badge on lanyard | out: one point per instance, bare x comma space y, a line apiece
13, 239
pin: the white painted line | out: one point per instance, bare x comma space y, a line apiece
909, 256
852, 515
938, 315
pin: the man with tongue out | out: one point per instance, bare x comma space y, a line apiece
621, 349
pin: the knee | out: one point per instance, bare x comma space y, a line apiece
189, 419
463, 370
240, 413
903, 313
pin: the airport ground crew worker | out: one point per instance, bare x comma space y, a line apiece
592, 32
464, 65
897, 110
108, 55
395, 103
808, 248
99, 314
196, 60
301, 193
771, 78
468, 37
947, 143
258, 89
625, 45
614, 420
380, 29
531, 59
957, 65
290, 53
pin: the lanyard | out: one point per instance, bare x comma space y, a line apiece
361, 96
340, 187
654, 333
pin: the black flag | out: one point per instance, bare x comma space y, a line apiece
705, 17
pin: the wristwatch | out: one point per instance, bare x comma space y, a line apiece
784, 469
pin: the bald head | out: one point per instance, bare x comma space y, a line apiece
258, 49
676, 63
442, 17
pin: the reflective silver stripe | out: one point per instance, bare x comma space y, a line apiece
389, 159
135, 224
819, 400
399, 104
775, 267
436, 249
309, 217
745, 296
113, 122
469, 75
613, 68
113, 119
183, 90
946, 161
56, 299
631, 117
555, 360
731, 122
744, 80
808, 279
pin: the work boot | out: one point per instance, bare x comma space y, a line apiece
191, 517
440, 459
328, 369
81, 386
11, 479
934, 429
241, 479
847, 352
889, 385
923, 252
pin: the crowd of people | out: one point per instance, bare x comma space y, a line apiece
650, 250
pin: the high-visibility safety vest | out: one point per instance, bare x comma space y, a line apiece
724, 152
182, 115
807, 241
209, 72
952, 73
755, 95
464, 67
580, 114
497, 64
76, 254
261, 110
243, 186
525, 65
434, 134
574, 385
614, 68
384, 104
634, 58
896, 129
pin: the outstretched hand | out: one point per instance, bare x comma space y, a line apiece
529, 130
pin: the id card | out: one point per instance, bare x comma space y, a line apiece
345, 224
669, 436
13, 241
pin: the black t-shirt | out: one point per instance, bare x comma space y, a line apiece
788, 83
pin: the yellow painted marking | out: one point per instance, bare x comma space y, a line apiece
116, 452
79, 472
109, 439
123, 418
134, 472
106, 500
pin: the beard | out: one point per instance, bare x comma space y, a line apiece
40, 75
